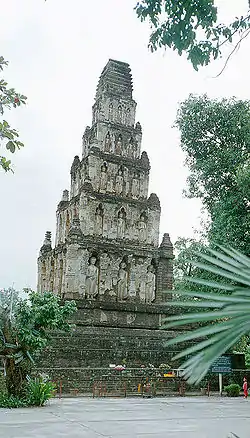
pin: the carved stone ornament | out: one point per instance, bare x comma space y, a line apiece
122, 283
92, 279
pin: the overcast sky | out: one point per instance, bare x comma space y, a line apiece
56, 51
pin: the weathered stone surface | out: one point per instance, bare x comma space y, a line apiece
107, 254
101, 346
108, 217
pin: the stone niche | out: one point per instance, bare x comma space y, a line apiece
110, 277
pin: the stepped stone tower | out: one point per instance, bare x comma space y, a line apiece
107, 227
107, 254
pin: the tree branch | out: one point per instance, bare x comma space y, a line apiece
236, 30
237, 46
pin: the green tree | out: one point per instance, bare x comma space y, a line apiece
247, 356
215, 136
242, 346
185, 249
9, 137
185, 270
24, 325
243, 179
192, 27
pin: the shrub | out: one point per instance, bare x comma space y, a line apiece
2, 384
39, 390
233, 390
10, 401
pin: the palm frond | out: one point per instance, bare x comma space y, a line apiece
232, 268
231, 275
213, 284
244, 260
228, 317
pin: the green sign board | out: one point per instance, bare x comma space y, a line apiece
222, 365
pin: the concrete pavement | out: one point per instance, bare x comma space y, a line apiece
173, 417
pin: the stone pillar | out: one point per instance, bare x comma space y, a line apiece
72, 267
63, 204
43, 263
74, 176
71, 270
165, 269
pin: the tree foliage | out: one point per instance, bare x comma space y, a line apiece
243, 178
215, 136
228, 315
24, 325
187, 269
191, 27
185, 250
9, 137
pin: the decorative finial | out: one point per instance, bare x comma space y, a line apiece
47, 243
154, 202
76, 163
87, 129
166, 242
145, 159
138, 127
47, 239
116, 79
65, 196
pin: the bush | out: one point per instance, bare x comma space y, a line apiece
233, 390
2, 384
10, 401
39, 390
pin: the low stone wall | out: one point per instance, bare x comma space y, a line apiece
99, 382
120, 315
103, 382
100, 346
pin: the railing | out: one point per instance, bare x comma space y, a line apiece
104, 382
139, 382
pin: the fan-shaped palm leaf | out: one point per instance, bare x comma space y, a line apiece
228, 317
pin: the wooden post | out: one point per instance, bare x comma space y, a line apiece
60, 389
208, 389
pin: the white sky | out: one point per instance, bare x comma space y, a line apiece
56, 51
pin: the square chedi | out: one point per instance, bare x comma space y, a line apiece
107, 255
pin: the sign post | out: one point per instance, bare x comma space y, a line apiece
220, 383
222, 365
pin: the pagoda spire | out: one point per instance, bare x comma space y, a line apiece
47, 245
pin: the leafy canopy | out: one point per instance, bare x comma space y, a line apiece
24, 322
185, 249
9, 137
215, 136
191, 27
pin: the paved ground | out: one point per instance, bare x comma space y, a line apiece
130, 418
